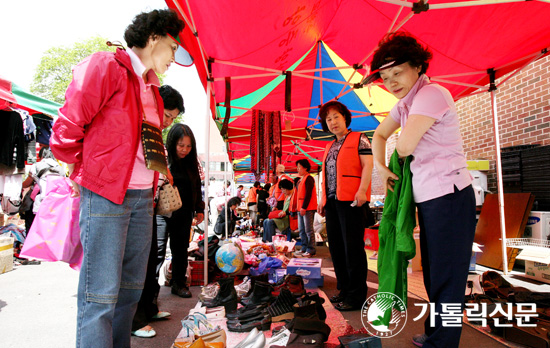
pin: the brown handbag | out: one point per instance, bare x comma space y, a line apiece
169, 200
153, 146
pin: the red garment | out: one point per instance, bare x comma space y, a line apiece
99, 126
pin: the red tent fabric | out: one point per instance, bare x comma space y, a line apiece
254, 43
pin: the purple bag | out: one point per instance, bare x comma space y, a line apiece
55, 234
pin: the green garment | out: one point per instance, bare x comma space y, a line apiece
284, 223
395, 235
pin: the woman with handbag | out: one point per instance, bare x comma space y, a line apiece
109, 120
184, 166
279, 219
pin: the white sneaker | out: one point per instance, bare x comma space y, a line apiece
280, 338
243, 288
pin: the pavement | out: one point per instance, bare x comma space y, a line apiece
38, 309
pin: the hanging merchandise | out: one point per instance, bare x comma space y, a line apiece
265, 139
12, 139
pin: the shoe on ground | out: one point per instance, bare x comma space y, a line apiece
346, 307
161, 315
181, 291
336, 299
419, 340
145, 332
307, 254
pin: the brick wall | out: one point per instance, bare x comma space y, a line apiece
523, 109
524, 118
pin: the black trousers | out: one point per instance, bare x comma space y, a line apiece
147, 305
178, 228
447, 229
345, 233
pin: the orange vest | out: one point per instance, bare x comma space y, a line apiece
302, 195
277, 193
252, 195
348, 170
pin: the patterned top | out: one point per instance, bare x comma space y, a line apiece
330, 163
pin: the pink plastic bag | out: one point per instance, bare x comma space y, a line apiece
55, 234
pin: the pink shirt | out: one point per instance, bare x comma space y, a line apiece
439, 163
142, 178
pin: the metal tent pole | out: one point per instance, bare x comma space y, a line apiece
206, 179
496, 133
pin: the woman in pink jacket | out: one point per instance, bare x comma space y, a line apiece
98, 133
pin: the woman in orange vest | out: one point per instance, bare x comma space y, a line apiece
253, 202
347, 169
307, 205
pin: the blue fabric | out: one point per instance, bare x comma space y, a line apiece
307, 236
265, 265
447, 229
116, 239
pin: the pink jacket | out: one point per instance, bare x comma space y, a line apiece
99, 126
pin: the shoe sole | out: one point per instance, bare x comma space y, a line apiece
285, 316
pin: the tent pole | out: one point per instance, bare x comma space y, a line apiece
496, 133
225, 197
206, 178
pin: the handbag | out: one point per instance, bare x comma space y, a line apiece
272, 201
55, 233
169, 200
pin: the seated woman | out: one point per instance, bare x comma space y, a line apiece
282, 222
232, 217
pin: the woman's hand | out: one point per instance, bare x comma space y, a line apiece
198, 219
282, 214
75, 189
303, 212
387, 177
360, 197
321, 209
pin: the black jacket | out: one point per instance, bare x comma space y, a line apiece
12, 138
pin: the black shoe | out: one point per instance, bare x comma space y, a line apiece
337, 298
346, 307
227, 296
181, 291
262, 325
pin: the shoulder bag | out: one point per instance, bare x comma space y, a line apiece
153, 147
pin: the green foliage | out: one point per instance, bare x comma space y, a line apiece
54, 73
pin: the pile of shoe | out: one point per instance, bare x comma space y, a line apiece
268, 304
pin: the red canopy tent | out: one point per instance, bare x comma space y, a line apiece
244, 47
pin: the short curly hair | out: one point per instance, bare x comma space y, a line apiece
147, 24
304, 163
401, 47
341, 108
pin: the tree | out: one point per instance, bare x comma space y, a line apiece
54, 73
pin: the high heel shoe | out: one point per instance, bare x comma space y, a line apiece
255, 339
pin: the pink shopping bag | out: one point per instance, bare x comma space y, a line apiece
55, 234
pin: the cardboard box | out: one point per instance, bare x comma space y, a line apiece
308, 268
313, 283
538, 225
371, 239
6, 254
537, 270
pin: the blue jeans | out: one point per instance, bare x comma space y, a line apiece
307, 236
116, 239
